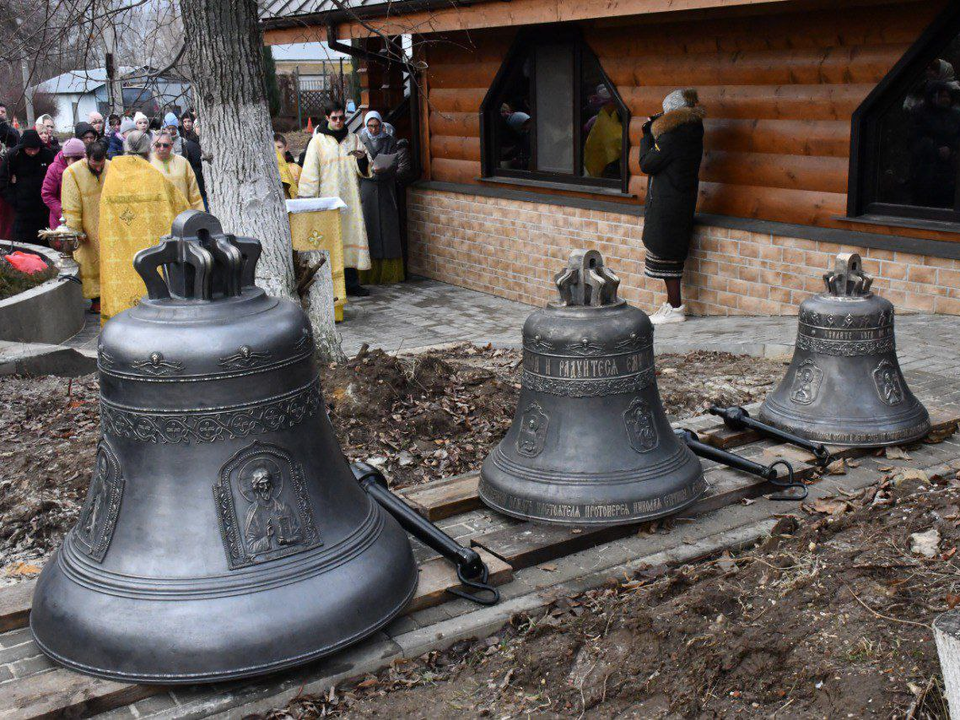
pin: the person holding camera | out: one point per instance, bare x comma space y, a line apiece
670, 153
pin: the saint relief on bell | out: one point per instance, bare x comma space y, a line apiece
263, 506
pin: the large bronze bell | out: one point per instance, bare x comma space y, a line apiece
844, 385
224, 534
590, 443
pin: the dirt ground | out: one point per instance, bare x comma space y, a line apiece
419, 417
828, 619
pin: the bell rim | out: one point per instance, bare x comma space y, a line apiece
246, 672
700, 486
803, 426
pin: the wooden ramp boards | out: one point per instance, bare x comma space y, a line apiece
61, 693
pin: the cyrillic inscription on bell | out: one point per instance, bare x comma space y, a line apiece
844, 385
224, 534
590, 442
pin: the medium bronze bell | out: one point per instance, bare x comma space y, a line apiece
590, 443
224, 534
844, 385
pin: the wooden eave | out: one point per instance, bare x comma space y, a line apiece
446, 17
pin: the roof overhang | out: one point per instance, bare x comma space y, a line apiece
437, 16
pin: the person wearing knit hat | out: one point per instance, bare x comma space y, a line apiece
27, 163
73, 150
171, 120
671, 150
142, 122
86, 132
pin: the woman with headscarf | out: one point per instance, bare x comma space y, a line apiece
378, 197
73, 150
670, 153
21, 179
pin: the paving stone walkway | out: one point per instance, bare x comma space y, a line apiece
424, 312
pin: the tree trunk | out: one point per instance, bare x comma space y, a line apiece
318, 302
225, 55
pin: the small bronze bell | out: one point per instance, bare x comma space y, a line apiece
844, 385
590, 443
224, 534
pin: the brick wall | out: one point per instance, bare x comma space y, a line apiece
513, 248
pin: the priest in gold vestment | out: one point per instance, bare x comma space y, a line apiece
176, 169
80, 191
137, 207
334, 162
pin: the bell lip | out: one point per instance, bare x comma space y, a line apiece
804, 430
627, 520
247, 672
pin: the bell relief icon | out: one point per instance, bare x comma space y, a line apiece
641, 430
533, 431
806, 384
98, 517
263, 508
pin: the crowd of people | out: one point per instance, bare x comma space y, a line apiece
120, 183
44, 184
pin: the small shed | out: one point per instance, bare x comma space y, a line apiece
77, 93
831, 126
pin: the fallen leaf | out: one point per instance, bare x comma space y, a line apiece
949, 553
831, 506
549, 567
905, 474
896, 453
22, 569
925, 543
369, 682
837, 467
952, 601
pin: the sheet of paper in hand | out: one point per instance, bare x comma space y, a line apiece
384, 162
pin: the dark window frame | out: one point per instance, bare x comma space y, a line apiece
862, 186
525, 40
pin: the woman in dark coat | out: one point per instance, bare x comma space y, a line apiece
21, 179
670, 153
378, 196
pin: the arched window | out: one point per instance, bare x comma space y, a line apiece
905, 154
553, 115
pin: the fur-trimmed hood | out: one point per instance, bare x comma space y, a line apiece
675, 118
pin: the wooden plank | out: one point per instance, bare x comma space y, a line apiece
517, 12
823, 138
439, 575
62, 693
15, 601
439, 500
794, 102
803, 66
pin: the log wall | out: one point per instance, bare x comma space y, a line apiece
779, 90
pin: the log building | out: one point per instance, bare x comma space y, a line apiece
831, 126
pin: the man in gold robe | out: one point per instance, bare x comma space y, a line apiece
334, 162
176, 169
137, 207
80, 191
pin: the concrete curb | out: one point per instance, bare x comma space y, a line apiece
49, 313
41, 359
